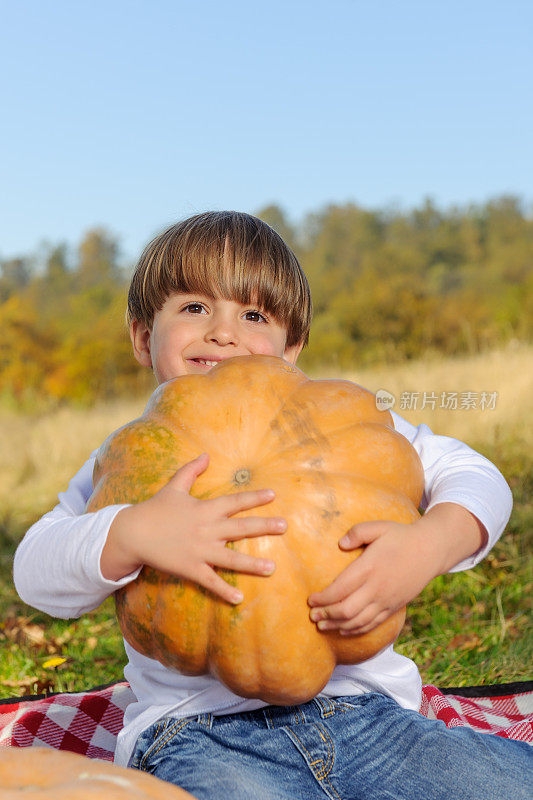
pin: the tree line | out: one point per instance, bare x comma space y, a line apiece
387, 285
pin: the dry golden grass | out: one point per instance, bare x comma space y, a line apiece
42, 451
507, 371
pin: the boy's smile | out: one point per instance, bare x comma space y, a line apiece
192, 333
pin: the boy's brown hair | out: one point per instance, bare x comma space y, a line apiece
227, 253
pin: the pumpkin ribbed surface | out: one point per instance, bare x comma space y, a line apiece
40, 773
332, 458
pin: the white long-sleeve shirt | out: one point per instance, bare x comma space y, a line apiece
57, 570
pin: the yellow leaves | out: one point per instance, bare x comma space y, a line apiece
39, 657
26, 347
32, 684
497, 563
23, 631
78, 353
34, 634
54, 662
23, 683
464, 641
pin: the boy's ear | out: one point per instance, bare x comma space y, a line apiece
140, 340
291, 353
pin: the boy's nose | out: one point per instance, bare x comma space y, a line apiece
222, 332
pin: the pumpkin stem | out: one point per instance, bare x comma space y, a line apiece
242, 476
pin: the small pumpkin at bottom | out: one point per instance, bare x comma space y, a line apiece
41, 773
332, 458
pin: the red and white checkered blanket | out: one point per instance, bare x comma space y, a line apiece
88, 722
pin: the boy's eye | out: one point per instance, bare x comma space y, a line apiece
199, 308
194, 308
257, 316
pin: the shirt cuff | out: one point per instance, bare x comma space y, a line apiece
493, 526
94, 554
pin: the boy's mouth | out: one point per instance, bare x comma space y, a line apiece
204, 364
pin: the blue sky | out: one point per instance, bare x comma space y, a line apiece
133, 114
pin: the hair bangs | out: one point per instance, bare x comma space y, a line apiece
229, 254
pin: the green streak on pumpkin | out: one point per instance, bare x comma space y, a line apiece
154, 577
135, 631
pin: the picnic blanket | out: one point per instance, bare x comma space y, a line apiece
88, 722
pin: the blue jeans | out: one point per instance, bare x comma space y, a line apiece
346, 748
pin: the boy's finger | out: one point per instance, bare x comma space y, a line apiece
185, 477
345, 613
346, 583
240, 527
210, 580
359, 627
363, 533
242, 501
350, 627
240, 562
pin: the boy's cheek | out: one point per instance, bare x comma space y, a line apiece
165, 369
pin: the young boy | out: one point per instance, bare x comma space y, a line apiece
224, 284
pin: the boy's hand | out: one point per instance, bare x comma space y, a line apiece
386, 576
399, 560
187, 537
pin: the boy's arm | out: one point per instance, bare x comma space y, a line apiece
56, 566
69, 561
454, 473
468, 504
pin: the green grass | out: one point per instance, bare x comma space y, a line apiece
474, 627
466, 628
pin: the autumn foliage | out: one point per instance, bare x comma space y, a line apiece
387, 285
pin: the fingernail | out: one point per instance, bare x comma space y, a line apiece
315, 615
281, 524
270, 493
267, 566
322, 625
237, 597
345, 541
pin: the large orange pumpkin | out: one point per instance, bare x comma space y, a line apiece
40, 773
332, 459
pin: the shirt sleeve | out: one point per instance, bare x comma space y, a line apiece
454, 473
57, 564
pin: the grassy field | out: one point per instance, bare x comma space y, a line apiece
465, 628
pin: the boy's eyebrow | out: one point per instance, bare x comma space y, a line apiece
183, 295
200, 294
